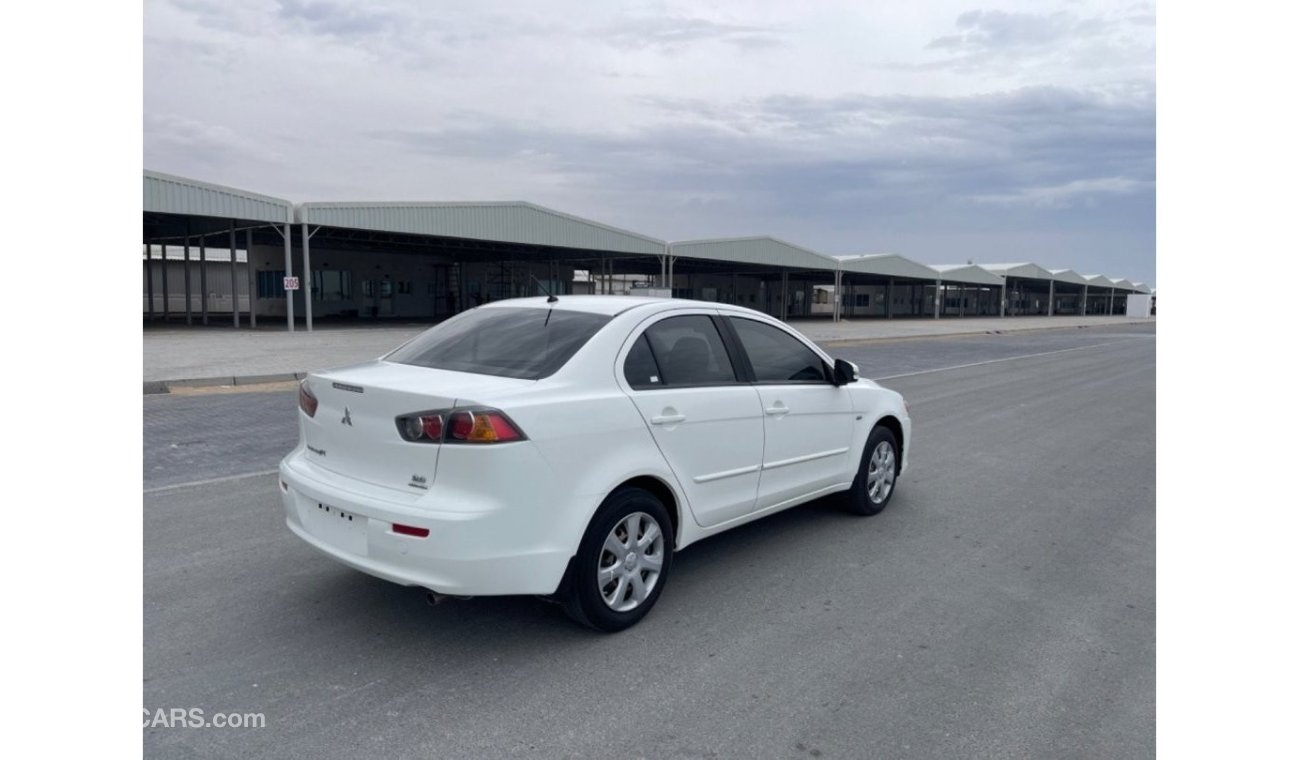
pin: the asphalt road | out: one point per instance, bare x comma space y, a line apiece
1003, 606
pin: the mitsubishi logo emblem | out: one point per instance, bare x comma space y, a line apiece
347, 417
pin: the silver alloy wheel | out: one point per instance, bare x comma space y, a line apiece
880, 473
630, 562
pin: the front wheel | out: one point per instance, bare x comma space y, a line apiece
874, 485
622, 563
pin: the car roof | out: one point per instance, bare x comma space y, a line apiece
609, 305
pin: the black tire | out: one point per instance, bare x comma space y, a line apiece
582, 595
861, 499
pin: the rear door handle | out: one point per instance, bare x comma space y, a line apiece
668, 419
777, 410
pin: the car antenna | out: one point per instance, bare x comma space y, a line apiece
549, 297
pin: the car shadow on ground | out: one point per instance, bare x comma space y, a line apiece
357, 606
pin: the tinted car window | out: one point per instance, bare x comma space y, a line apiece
689, 351
640, 368
509, 342
777, 356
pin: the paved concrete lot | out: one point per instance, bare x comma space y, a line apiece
189, 438
221, 352
1003, 606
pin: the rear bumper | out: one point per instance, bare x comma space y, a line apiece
492, 551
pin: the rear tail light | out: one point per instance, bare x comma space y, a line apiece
306, 401
472, 425
482, 426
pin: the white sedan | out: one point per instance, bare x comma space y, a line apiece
569, 446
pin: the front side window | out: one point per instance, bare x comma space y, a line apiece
509, 342
777, 356
689, 351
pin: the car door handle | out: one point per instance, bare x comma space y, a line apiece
668, 419
777, 410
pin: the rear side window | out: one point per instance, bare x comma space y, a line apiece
777, 356
640, 368
509, 342
689, 351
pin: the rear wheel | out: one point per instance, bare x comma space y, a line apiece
874, 486
622, 563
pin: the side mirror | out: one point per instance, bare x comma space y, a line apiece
845, 372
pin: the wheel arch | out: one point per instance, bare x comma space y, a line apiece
893, 425
665, 494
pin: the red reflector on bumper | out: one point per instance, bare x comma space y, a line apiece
410, 530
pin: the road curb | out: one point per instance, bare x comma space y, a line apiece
968, 333
165, 386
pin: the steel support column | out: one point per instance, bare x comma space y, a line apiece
287, 234
252, 279
1083, 305
1051, 297
889, 299
1002, 306
148, 274
189, 312
938, 297
203, 277
785, 295
1110, 303
306, 272
672, 260
166, 292
663, 269
835, 299
234, 279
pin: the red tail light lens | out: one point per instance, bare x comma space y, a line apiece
472, 425
482, 426
306, 401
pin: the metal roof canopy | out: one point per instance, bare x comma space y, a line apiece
171, 203
887, 265
1068, 276
755, 252
510, 222
1023, 270
967, 274
1102, 281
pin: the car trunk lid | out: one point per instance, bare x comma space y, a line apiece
354, 431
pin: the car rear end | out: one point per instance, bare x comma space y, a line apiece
419, 468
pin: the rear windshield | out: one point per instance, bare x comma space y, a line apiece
509, 342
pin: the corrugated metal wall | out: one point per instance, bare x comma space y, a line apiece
166, 194
506, 222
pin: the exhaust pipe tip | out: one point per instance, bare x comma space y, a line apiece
434, 598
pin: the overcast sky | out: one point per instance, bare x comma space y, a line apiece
942, 131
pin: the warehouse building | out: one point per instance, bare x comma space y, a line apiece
294, 264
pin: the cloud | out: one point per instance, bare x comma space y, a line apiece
336, 19
674, 32
984, 30
838, 126
1016, 43
1036, 146
1079, 191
